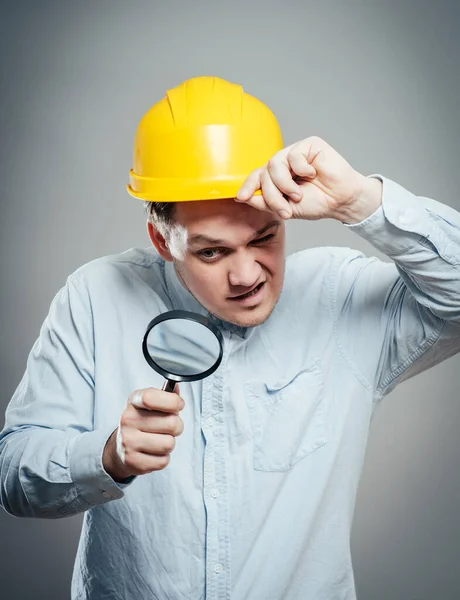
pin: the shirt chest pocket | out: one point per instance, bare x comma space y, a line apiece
286, 419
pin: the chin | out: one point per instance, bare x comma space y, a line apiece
249, 322
248, 318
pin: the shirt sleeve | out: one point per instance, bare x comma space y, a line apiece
395, 319
50, 455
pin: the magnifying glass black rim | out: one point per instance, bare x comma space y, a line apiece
190, 316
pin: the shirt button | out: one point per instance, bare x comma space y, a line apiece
214, 493
106, 495
210, 422
218, 568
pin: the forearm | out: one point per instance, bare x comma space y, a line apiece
48, 473
422, 237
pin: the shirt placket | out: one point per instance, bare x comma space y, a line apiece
215, 483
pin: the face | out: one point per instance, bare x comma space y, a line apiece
234, 260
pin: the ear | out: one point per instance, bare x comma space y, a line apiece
159, 242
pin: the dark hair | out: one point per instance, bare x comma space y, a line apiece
160, 214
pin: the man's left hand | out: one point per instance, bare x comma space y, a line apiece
310, 180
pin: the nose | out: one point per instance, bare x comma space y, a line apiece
244, 271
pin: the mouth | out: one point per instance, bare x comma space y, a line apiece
249, 294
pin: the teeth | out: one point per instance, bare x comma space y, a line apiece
254, 291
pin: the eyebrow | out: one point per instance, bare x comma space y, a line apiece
198, 238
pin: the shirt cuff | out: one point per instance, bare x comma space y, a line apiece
87, 471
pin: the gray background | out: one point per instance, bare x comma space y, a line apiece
378, 80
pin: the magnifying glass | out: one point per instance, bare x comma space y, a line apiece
182, 346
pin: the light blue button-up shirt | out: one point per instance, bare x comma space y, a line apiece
257, 501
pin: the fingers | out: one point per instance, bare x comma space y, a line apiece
274, 198
278, 179
153, 399
157, 444
142, 452
251, 185
147, 430
140, 463
257, 202
279, 172
299, 164
152, 422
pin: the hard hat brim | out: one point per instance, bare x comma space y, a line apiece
184, 190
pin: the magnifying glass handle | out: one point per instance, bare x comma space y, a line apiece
169, 385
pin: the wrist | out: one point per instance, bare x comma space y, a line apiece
111, 461
365, 202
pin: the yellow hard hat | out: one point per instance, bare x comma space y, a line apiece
200, 142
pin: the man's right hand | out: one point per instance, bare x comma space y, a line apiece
146, 434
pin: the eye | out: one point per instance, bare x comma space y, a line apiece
209, 253
264, 239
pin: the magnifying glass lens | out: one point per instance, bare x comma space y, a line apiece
182, 347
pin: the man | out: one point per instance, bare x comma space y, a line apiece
242, 485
